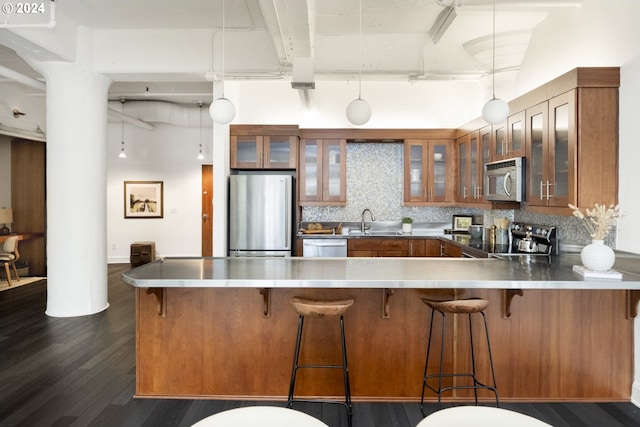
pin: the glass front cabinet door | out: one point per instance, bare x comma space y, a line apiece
264, 152
551, 141
428, 178
323, 172
474, 150
509, 137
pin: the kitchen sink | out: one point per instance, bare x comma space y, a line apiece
376, 233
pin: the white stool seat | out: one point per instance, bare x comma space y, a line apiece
481, 416
263, 416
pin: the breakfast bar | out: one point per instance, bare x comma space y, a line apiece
224, 328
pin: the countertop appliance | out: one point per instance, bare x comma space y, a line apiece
529, 240
261, 212
533, 239
504, 180
323, 248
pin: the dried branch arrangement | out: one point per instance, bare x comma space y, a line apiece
599, 220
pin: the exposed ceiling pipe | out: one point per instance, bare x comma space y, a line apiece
162, 112
39, 85
119, 116
23, 79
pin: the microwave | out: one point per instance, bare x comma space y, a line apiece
504, 180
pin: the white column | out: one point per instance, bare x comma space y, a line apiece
76, 190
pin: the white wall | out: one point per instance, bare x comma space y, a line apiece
628, 227
166, 153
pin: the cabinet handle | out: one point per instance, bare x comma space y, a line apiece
541, 190
464, 192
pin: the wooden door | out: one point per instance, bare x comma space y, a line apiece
28, 200
207, 210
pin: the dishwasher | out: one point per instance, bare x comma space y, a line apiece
324, 248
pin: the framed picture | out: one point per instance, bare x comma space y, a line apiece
461, 222
143, 199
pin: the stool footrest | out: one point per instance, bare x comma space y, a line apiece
321, 366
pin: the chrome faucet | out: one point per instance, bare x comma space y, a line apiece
362, 227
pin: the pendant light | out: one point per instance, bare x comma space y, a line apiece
495, 110
222, 111
122, 154
359, 111
200, 155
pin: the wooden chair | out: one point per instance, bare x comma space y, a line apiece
9, 256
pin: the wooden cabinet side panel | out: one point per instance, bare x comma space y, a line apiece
597, 152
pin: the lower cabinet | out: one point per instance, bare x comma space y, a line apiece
372, 247
450, 249
400, 247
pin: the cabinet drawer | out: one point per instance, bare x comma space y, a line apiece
372, 244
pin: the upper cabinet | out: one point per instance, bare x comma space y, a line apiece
572, 150
428, 172
509, 137
474, 150
264, 147
322, 173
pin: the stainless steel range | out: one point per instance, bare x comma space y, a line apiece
533, 239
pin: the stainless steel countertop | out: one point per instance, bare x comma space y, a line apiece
396, 273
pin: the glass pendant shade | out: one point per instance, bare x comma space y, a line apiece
495, 111
358, 112
222, 111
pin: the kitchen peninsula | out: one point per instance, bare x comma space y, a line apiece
224, 328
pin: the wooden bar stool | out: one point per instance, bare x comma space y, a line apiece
314, 308
463, 306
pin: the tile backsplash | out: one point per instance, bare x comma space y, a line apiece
375, 180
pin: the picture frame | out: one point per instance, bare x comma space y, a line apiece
461, 222
143, 199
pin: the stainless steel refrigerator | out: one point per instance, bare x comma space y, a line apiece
261, 213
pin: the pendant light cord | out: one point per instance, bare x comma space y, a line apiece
360, 48
122, 122
224, 25
493, 66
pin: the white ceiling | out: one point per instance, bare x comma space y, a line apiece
396, 43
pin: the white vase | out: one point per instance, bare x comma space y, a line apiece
597, 256
406, 228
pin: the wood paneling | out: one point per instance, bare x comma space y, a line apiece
28, 200
557, 345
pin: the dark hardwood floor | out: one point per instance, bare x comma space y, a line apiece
81, 372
